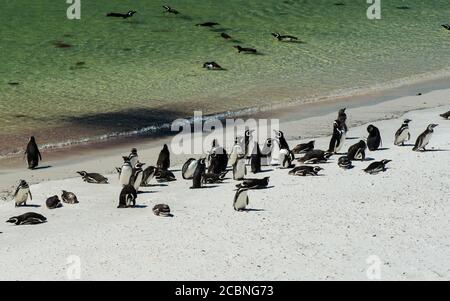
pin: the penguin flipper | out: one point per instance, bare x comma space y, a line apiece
29, 192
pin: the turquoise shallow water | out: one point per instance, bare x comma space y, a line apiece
151, 63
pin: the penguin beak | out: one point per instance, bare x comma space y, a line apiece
434, 125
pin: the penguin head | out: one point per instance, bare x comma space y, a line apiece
139, 165
406, 121
312, 142
23, 183
126, 159
362, 144
248, 133
432, 126
385, 161
82, 173
317, 168
13, 220
342, 111
279, 134
32, 139
275, 34
134, 151
328, 155
131, 12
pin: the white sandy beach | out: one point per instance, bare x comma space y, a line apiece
302, 228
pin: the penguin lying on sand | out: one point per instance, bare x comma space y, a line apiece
377, 167
120, 15
53, 202
93, 177
69, 197
303, 147
207, 24
162, 210
212, 66
29, 218
245, 49
170, 10
284, 38
211, 178
345, 162
305, 171
315, 156
445, 115
254, 183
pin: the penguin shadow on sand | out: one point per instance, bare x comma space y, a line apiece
42, 167
431, 150
30, 206
156, 185
252, 210
139, 206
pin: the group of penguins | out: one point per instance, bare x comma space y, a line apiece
212, 65
214, 167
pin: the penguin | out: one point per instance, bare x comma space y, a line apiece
345, 162
128, 196
162, 210
305, 170
285, 158
255, 159
248, 136
29, 218
170, 10
133, 157
283, 144
33, 153
148, 174
53, 202
236, 151
239, 168
69, 197
315, 156
126, 172
374, 139
120, 15
446, 26
303, 147
225, 36
138, 174
342, 117
164, 158
424, 138
21, 194
218, 159
377, 167
211, 178
92, 177
445, 115
164, 176
198, 174
254, 183
338, 138
245, 49
402, 133
357, 151
187, 172
212, 66
284, 38
240, 201
266, 152
207, 24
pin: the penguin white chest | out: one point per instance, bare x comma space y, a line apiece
138, 180
191, 169
426, 139
403, 136
125, 175
21, 196
241, 201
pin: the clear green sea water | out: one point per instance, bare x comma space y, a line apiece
150, 64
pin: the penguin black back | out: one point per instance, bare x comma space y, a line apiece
33, 153
255, 160
164, 158
374, 139
198, 174
127, 197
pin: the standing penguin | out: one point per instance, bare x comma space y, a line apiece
424, 138
188, 169
33, 154
266, 152
127, 197
198, 174
21, 194
240, 201
402, 133
239, 168
357, 151
342, 117
218, 158
236, 151
53, 202
338, 137
133, 156
164, 158
247, 138
374, 139
126, 172
138, 174
255, 160
148, 174
286, 156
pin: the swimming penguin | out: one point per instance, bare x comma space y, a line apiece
126, 172
266, 152
212, 66
198, 174
164, 176
225, 36
402, 133
120, 15
245, 49
128, 196
342, 117
240, 201
357, 151
29, 218
69, 197
164, 158
211, 178
255, 160
21, 194
303, 147
424, 138
305, 170
374, 139
377, 167
254, 183
93, 178
446, 26
162, 210
187, 172
284, 38
239, 168
207, 24
338, 138
138, 174
148, 174
345, 162
53, 202
445, 115
33, 154
315, 156
170, 10
133, 157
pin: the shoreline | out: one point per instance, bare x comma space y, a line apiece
353, 97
